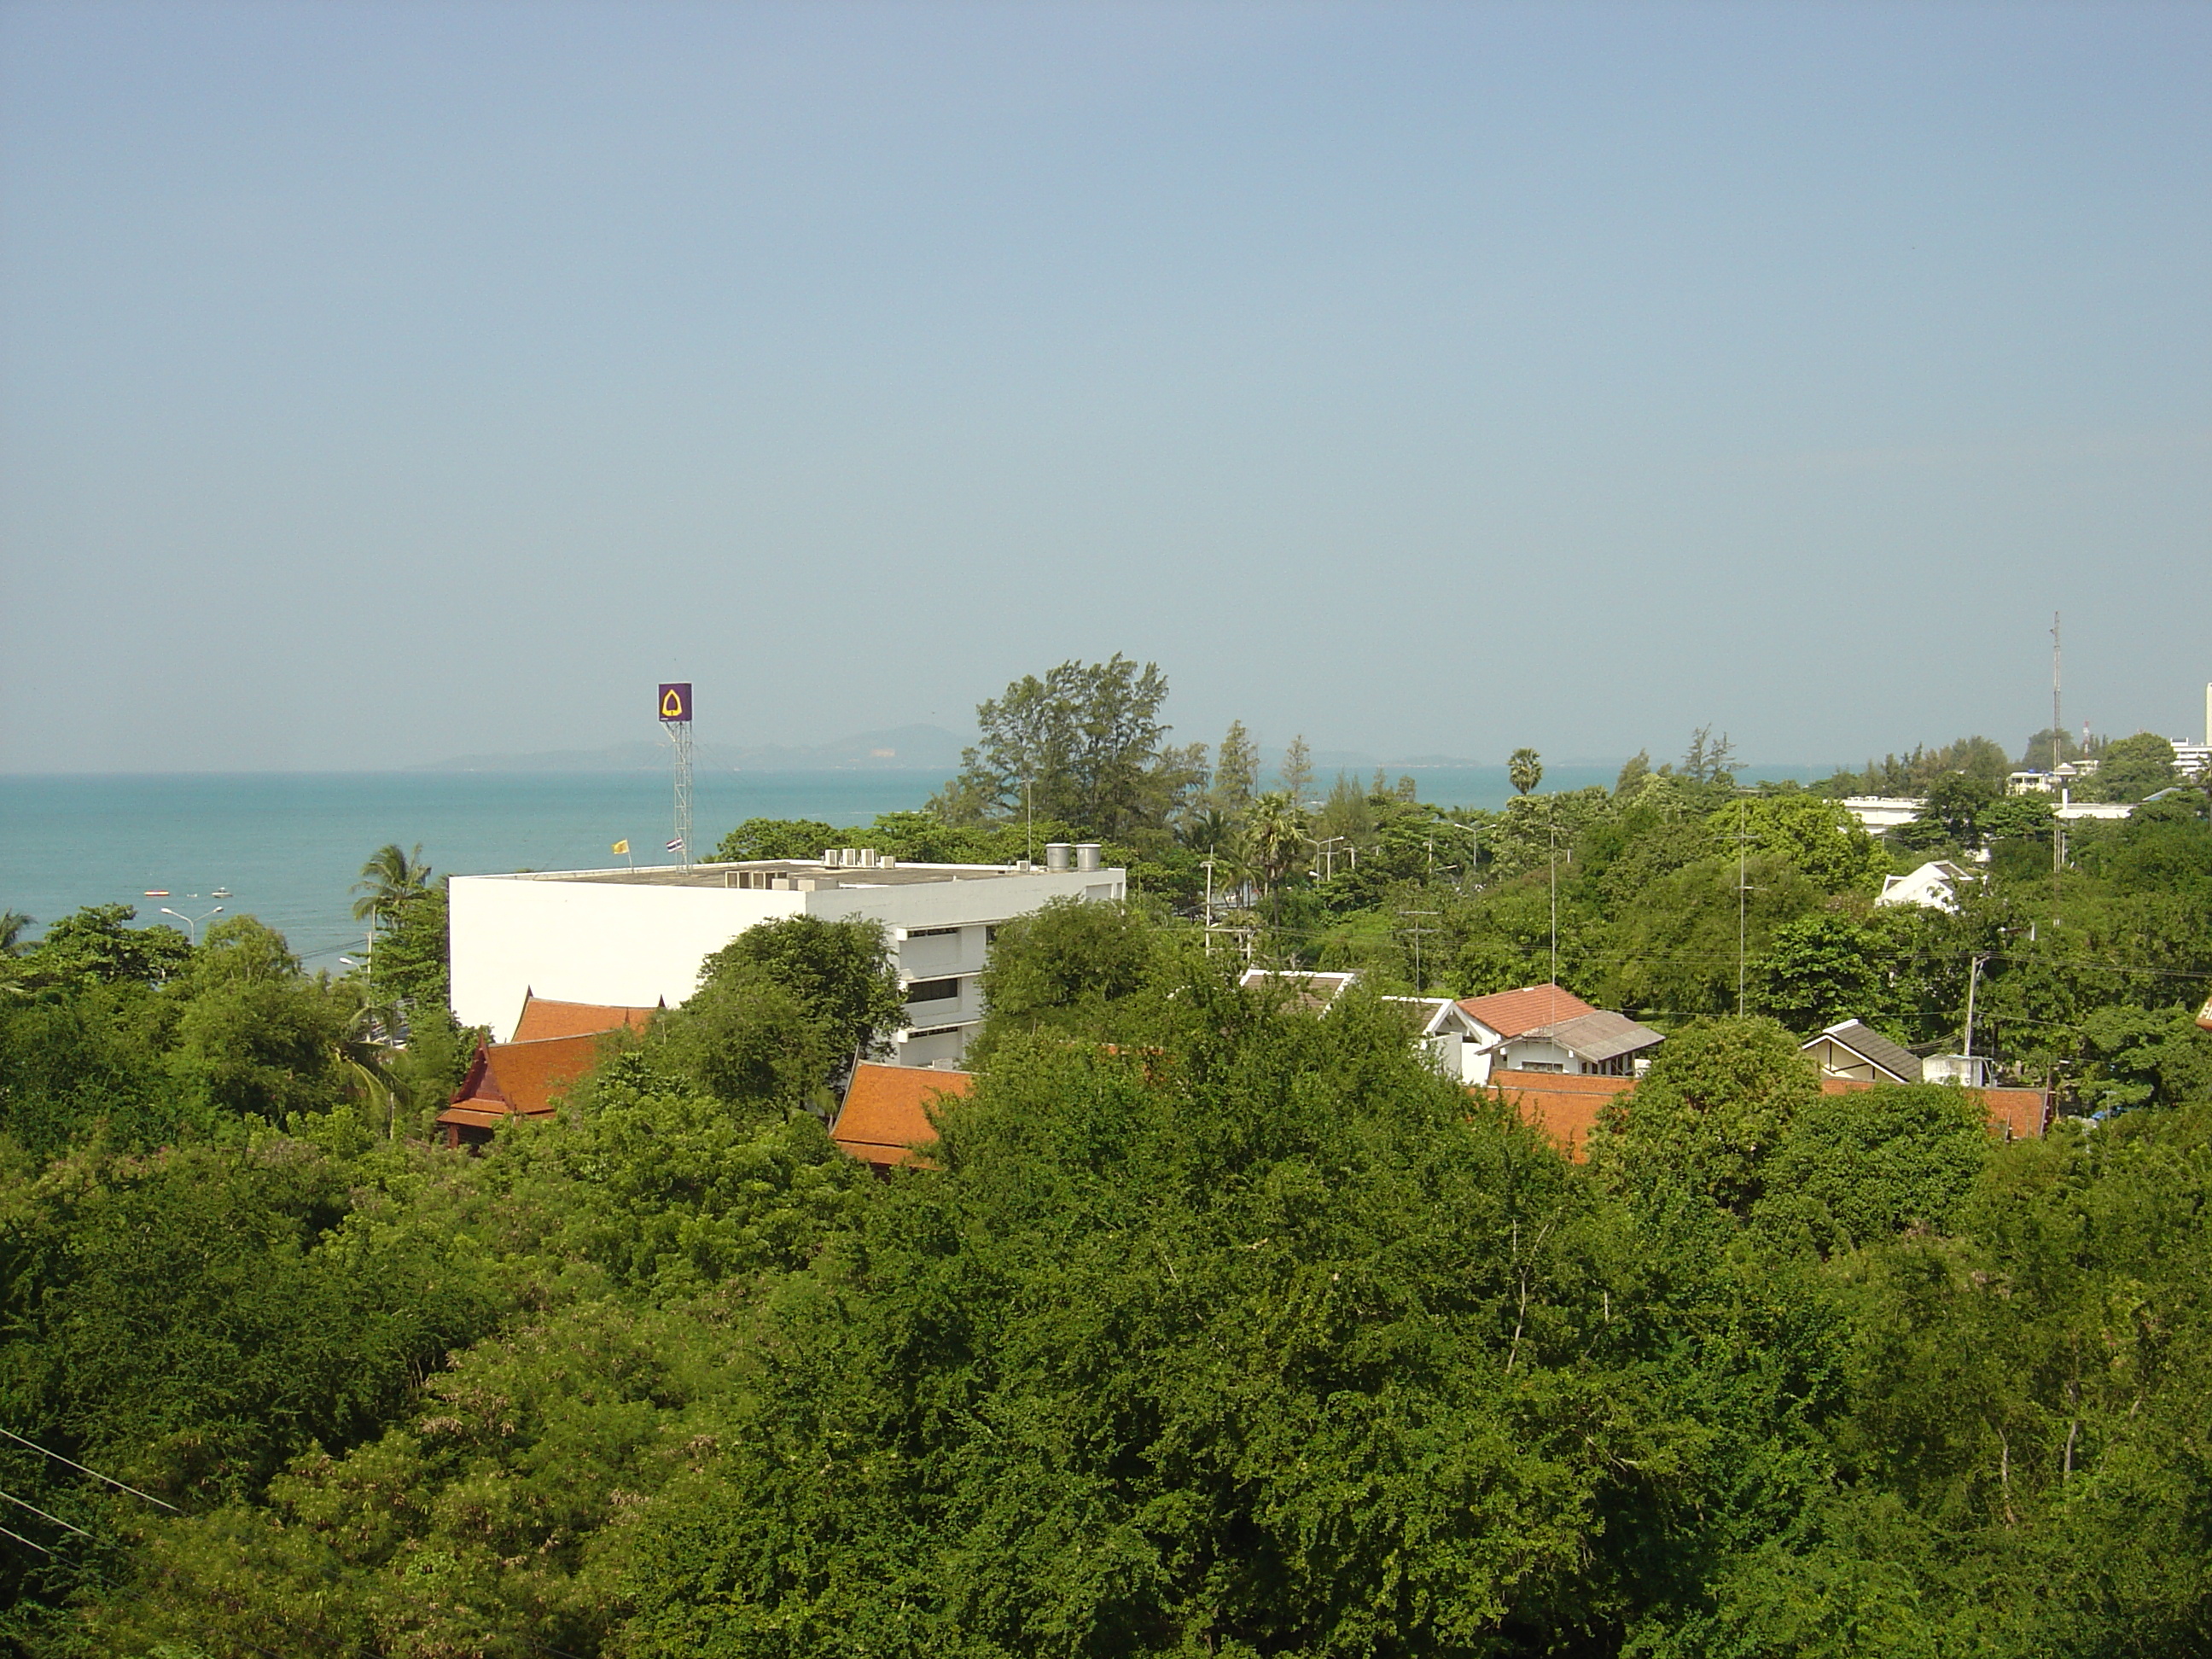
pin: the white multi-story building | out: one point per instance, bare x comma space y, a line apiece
636, 937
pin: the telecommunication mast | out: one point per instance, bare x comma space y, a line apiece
676, 721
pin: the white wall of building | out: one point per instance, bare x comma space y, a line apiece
633, 944
1458, 1058
1881, 813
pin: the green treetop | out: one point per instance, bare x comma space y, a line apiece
1084, 745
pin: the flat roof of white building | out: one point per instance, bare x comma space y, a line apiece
821, 877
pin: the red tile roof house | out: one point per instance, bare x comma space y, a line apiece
1547, 1029
1538, 1027
555, 1044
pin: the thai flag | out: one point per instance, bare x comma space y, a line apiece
676, 846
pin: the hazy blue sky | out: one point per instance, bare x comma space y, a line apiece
381, 382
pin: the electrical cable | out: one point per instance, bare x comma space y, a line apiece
36, 1510
94, 1474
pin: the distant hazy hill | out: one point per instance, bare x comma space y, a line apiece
904, 748
1327, 761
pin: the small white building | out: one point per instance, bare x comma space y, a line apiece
1933, 886
1967, 1071
1859, 1053
1876, 813
1466, 1049
1547, 1028
636, 938
1601, 1043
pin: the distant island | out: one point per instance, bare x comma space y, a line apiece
901, 748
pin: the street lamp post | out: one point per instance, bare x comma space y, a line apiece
1326, 846
192, 923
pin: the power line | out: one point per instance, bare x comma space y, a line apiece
94, 1474
36, 1510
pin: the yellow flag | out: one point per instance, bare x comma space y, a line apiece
622, 847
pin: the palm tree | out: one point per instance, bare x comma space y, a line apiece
389, 880
1208, 830
1524, 769
12, 924
1275, 844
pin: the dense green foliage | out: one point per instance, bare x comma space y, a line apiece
1218, 1326
1212, 1324
784, 1010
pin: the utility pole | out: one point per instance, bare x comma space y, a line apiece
1208, 863
2057, 856
1420, 980
1973, 979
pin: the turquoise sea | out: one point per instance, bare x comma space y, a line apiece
289, 846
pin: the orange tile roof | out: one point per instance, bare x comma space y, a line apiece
542, 1017
1566, 1107
1563, 1106
2016, 1113
1510, 1013
886, 1111
521, 1077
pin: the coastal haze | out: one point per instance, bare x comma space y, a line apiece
381, 385
287, 847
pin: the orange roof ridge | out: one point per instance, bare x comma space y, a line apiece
543, 1017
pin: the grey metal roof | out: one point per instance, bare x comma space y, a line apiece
1871, 1046
1600, 1035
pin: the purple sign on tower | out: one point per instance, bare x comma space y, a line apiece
676, 702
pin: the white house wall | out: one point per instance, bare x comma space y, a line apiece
637, 943
1458, 1059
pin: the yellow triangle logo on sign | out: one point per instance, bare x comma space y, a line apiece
672, 706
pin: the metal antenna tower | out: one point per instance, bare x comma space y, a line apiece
676, 719
2058, 719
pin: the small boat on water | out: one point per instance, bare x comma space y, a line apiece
220, 892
